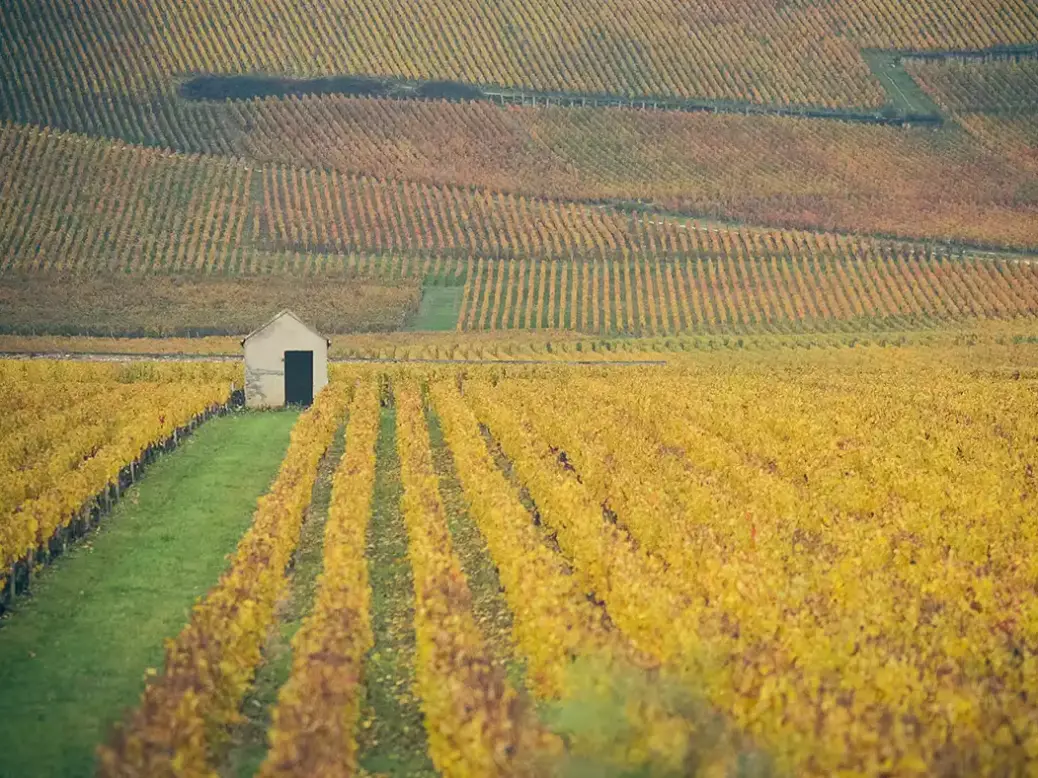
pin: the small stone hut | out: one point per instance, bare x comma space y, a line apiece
286, 363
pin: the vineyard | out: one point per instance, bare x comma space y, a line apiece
124, 208
767, 170
777, 293
999, 86
681, 408
776, 581
516, 261
196, 305
110, 170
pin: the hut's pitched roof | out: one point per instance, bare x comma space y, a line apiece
273, 319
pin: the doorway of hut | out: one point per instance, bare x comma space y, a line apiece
299, 377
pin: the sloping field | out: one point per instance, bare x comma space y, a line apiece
770, 170
761, 52
783, 292
130, 208
98, 303
108, 169
521, 262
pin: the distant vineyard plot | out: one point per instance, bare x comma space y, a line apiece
782, 294
760, 169
994, 99
766, 53
445, 211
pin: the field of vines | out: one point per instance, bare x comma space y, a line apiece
766, 53
92, 304
757, 575
777, 293
111, 168
128, 208
994, 100
518, 262
112, 171
803, 172
760, 169
69, 433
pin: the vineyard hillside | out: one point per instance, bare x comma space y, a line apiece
763, 52
635, 169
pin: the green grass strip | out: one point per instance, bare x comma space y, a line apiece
248, 746
904, 93
488, 601
392, 736
73, 656
439, 309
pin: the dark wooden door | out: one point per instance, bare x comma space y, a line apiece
299, 377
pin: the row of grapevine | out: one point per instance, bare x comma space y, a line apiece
210, 664
741, 51
475, 722
314, 722
800, 289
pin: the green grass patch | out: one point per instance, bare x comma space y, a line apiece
248, 745
439, 308
488, 601
392, 736
903, 92
73, 656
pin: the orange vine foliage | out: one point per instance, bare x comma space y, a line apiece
762, 52
764, 169
995, 101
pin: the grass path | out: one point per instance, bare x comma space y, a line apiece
488, 600
392, 736
248, 746
439, 308
74, 655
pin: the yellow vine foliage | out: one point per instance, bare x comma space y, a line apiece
476, 724
314, 722
553, 621
838, 554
